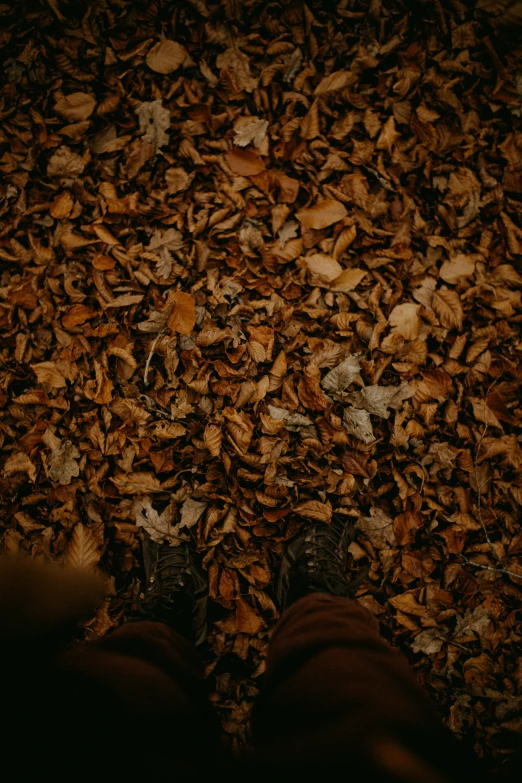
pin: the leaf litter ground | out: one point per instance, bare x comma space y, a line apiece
261, 263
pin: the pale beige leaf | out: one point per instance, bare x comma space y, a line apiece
447, 305
315, 509
377, 399
75, 107
358, 423
62, 463
158, 526
166, 56
154, 121
348, 280
323, 214
335, 81
248, 130
338, 379
378, 527
47, 372
191, 512
83, 550
404, 319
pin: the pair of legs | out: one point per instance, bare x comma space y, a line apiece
335, 697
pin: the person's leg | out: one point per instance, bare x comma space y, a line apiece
335, 695
151, 680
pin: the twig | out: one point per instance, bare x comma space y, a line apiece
501, 570
149, 358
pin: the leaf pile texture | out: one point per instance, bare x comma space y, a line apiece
262, 264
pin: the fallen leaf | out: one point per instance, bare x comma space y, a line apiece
154, 121
335, 81
158, 526
323, 214
166, 56
47, 372
62, 464
64, 163
83, 550
404, 319
338, 379
314, 509
377, 399
246, 163
191, 512
75, 107
137, 483
448, 307
182, 317
323, 267
62, 206
348, 280
358, 423
19, 462
458, 267
247, 619
378, 528
178, 179
251, 130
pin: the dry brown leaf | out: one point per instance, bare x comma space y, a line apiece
348, 280
177, 179
75, 107
323, 214
448, 307
182, 317
47, 372
378, 527
166, 56
310, 393
404, 319
335, 81
388, 135
314, 509
75, 315
213, 437
19, 462
246, 163
458, 267
138, 483
64, 163
247, 619
62, 206
83, 550
324, 268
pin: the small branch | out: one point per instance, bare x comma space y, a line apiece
149, 358
500, 570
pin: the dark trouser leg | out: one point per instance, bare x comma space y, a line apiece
150, 680
337, 696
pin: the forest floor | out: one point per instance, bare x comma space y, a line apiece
260, 263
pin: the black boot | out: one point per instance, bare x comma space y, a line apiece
316, 561
176, 589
